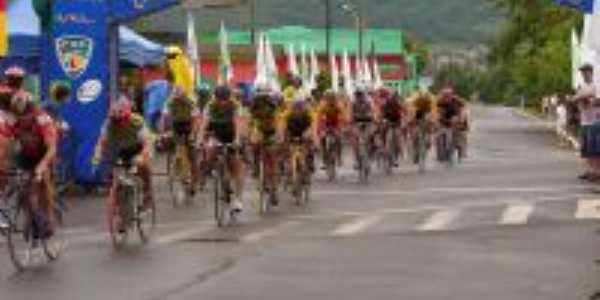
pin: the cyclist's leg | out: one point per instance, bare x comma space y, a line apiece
144, 165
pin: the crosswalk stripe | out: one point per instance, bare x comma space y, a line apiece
588, 209
516, 214
439, 220
267, 233
357, 225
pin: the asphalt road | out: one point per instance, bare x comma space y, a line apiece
511, 222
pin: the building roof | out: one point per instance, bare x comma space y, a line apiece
384, 41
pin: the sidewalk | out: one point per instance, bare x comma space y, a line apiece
550, 125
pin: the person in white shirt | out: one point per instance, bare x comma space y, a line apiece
585, 97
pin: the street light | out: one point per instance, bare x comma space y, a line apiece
356, 12
328, 26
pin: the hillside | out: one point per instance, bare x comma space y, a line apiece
462, 21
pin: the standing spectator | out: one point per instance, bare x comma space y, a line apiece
585, 98
561, 122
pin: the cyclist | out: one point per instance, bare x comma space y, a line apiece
222, 121
184, 116
125, 137
362, 110
421, 111
393, 112
264, 113
451, 115
298, 123
330, 116
36, 134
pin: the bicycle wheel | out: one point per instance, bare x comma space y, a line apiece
19, 240
177, 187
330, 155
389, 158
297, 189
219, 200
421, 153
54, 245
145, 216
117, 228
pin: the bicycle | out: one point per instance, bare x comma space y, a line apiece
222, 184
420, 144
179, 173
391, 149
331, 150
300, 173
446, 145
126, 211
24, 228
363, 155
267, 189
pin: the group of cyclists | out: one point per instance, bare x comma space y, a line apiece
263, 127
269, 135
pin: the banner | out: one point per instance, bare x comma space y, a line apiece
586, 6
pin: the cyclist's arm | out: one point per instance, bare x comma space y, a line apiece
238, 124
50, 139
146, 139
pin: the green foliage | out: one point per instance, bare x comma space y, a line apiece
419, 50
468, 21
531, 56
466, 81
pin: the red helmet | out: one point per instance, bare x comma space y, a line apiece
121, 110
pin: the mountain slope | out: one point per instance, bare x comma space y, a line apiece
471, 21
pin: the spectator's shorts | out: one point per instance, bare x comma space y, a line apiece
590, 141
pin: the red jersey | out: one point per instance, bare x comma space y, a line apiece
35, 131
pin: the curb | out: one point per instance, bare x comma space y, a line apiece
573, 141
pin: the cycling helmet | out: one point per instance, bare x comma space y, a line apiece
222, 93
121, 111
15, 72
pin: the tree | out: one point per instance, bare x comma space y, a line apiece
532, 52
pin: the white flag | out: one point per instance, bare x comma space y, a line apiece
347, 69
304, 68
261, 72
368, 77
272, 72
192, 48
292, 61
378, 82
225, 67
314, 69
335, 74
358, 67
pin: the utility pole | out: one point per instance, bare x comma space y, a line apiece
328, 26
253, 21
361, 28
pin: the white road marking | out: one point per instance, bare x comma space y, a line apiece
439, 220
447, 190
358, 225
516, 214
588, 209
267, 233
